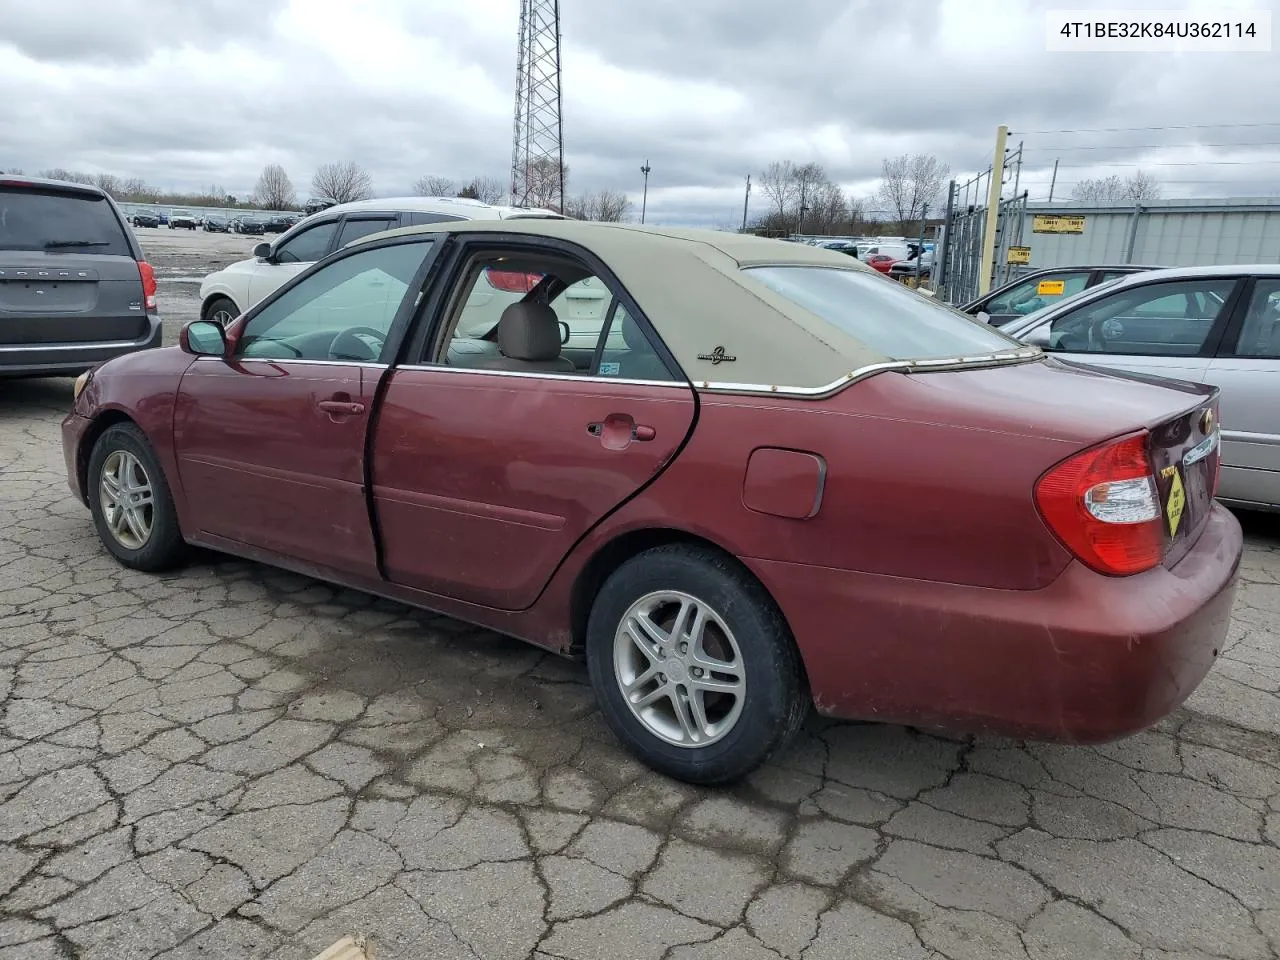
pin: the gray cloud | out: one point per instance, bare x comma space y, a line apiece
187, 95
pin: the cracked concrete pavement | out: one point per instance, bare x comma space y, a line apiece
232, 761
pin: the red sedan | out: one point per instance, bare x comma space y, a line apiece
880, 261
750, 477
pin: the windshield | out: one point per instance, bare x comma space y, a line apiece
1029, 320
883, 314
65, 222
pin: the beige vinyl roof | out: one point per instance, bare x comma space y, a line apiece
690, 285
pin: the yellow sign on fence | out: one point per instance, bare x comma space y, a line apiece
1050, 288
1019, 255
1051, 223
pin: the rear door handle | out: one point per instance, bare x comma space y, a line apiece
344, 407
643, 432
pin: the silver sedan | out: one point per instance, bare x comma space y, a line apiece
1218, 325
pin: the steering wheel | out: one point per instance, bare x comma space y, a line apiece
353, 343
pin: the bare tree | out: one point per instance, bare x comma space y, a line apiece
71, 176
1099, 189
778, 183
343, 181
1142, 186
16, 171
608, 206
828, 210
274, 190
485, 189
108, 183
909, 184
433, 186
544, 179
807, 178
1138, 186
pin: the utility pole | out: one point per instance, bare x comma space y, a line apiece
1054, 179
745, 200
1017, 171
644, 200
993, 211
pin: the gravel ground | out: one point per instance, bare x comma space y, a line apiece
234, 762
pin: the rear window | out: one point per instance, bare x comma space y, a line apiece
59, 223
883, 314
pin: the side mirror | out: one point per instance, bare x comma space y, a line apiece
1041, 337
564, 333
203, 338
983, 316
262, 251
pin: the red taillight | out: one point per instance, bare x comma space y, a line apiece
1103, 505
512, 281
148, 283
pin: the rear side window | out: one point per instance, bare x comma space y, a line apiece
886, 316
419, 219
355, 229
59, 222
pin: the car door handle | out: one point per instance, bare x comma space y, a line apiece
618, 430
345, 407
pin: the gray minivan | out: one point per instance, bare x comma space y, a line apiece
75, 289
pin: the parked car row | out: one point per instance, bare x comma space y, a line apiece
225, 294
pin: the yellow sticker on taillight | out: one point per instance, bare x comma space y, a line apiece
1176, 502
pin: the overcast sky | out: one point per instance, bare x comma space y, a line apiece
185, 94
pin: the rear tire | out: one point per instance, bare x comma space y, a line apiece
712, 678
222, 311
132, 506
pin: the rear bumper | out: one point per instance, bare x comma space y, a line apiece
70, 359
1087, 659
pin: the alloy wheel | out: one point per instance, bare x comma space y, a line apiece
127, 499
679, 668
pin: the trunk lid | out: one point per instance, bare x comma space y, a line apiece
1186, 454
69, 298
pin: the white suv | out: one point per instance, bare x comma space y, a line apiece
225, 294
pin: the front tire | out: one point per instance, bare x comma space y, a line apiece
222, 311
132, 506
693, 665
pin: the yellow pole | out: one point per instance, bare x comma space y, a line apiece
993, 211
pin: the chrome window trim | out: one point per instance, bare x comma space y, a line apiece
530, 375
314, 363
1020, 355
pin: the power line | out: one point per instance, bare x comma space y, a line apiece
1188, 126
1158, 146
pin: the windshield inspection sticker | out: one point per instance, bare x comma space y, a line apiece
610, 369
1177, 501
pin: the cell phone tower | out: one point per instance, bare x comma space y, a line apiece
537, 153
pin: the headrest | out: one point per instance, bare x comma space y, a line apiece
529, 331
632, 334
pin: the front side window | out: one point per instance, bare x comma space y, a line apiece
1156, 319
1260, 334
1037, 293
308, 246
887, 317
343, 311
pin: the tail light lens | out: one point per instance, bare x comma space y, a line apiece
512, 281
1103, 505
148, 283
